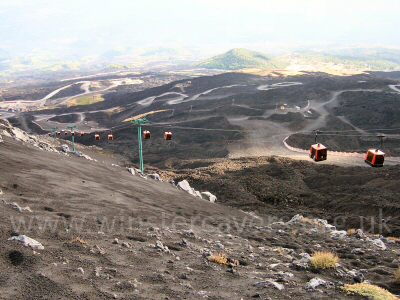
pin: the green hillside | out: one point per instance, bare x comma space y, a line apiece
239, 58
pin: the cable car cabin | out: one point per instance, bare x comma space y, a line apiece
49, 134
96, 137
318, 152
58, 133
375, 158
110, 137
72, 133
66, 133
168, 135
82, 133
146, 134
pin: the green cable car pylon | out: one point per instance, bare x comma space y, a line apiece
71, 127
53, 131
139, 123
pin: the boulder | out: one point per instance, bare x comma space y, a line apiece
154, 176
184, 185
315, 282
208, 196
379, 244
295, 219
65, 148
27, 241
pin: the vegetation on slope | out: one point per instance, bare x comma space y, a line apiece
238, 58
85, 100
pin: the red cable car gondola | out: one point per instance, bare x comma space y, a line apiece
146, 134
66, 133
168, 135
49, 134
110, 137
96, 137
318, 152
58, 133
82, 133
375, 157
72, 133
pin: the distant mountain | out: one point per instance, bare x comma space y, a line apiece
239, 58
173, 51
111, 53
372, 61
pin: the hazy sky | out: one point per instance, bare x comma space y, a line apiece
102, 25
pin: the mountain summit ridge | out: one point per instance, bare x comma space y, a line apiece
239, 58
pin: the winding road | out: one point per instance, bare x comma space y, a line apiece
262, 137
265, 138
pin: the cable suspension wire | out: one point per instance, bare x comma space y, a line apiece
368, 133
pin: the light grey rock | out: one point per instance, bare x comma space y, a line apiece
300, 266
64, 148
357, 251
28, 241
27, 209
306, 258
97, 250
287, 274
189, 232
219, 245
171, 182
295, 219
131, 170
184, 185
159, 245
270, 282
330, 227
260, 283
379, 244
338, 234
360, 234
81, 270
15, 206
198, 194
314, 283
208, 196
205, 252
154, 176
277, 285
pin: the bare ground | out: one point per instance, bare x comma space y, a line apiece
95, 203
